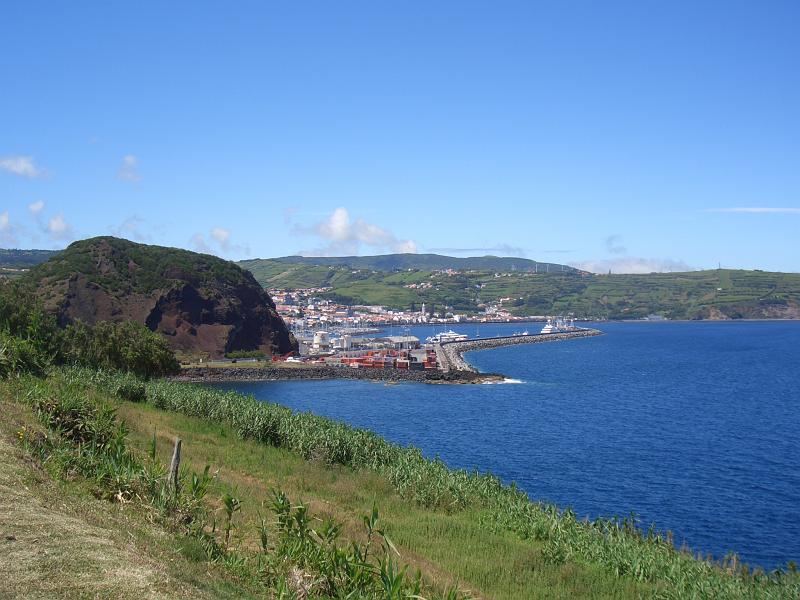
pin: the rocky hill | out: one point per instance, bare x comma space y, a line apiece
201, 303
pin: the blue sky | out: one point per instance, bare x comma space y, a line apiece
624, 135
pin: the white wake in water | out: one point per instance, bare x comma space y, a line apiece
506, 380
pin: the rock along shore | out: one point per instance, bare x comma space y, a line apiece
450, 354
208, 375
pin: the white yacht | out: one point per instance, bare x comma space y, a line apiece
549, 327
558, 325
446, 336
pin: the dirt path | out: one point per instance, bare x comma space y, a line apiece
48, 550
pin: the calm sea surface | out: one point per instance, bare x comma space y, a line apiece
693, 426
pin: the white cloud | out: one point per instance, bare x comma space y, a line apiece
218, 238
632, 264
222, 236
131, 228
198, 243
756, 210
129, 169
22, 166
58, 228
344, 236
8, 235
36, 207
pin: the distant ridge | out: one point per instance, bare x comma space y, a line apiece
15, 258
423, 262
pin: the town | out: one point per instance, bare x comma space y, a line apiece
335, 334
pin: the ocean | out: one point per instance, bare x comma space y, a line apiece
691, 426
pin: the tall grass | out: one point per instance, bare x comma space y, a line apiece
82, 438
617, 545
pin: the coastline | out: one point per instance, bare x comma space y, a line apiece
453, 368
214, 375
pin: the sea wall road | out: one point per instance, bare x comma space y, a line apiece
450, 354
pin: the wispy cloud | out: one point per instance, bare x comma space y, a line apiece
218, 241
8, 234
632, 264
129, 171
24, 166
614, 244
504, 249
131, 228
343, 236
757, 210
59, 229
222, 236
35, 208
199, 244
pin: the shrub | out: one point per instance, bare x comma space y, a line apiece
20, 356
128, 347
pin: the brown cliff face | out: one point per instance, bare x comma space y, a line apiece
202, 304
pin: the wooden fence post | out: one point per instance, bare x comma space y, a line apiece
174, 467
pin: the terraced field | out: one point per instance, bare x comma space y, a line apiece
715, 294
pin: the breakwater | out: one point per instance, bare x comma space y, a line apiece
450, 354
210, 374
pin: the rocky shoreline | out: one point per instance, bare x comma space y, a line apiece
210, 375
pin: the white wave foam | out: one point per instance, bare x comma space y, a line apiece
506, 380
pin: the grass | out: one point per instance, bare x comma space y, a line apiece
287, 552
454, 527
448, 548
696, 294
58, 540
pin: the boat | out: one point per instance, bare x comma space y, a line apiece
558, 325
520, 333
446, 336
549, 327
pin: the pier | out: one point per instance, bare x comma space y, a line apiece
450, 354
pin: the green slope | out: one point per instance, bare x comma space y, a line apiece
14, 262
424, 262
692, 295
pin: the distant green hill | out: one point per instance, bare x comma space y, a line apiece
14, 259
716, 294
423, 262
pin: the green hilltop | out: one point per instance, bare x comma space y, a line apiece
423, 262
712, 294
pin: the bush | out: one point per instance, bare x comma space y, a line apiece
30, 340
128, 347
20, 356
132, 391
246, 354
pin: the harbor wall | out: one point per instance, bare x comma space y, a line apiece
210, 374
450, 354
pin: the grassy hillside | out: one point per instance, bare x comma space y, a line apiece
13, 263
24, 259
226, 531
698, 294
425, 262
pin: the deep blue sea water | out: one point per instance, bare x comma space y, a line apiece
693, 426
